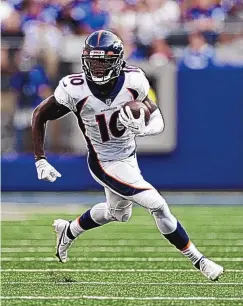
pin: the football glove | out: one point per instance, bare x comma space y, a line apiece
45, 171
137, 126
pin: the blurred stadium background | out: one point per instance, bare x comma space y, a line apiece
192, 52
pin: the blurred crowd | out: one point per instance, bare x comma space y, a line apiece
35, 34
149, 28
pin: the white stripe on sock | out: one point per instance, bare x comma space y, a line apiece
192, 253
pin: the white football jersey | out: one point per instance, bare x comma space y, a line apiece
106, 138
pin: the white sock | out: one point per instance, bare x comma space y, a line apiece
192, 253
75, 228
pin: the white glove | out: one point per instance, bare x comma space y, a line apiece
45, 171
137, 126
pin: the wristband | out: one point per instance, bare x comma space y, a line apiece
40, 157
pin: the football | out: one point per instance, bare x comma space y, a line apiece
135, 107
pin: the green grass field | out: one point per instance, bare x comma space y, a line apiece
122, 264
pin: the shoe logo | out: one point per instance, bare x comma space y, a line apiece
63, 242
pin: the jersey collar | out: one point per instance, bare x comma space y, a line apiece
114, 92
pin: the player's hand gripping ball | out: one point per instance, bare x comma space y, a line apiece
135, 116
135, 107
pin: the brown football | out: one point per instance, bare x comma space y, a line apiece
135, 107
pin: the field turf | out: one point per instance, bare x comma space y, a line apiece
127, 264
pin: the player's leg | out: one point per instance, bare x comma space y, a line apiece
125, 177
174, 232
115, 209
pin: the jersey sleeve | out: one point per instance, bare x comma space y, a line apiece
140, 84
63, 95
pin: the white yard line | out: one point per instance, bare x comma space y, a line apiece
113, 270
115, 249
129, 237
114, 259
126, 284
88, 297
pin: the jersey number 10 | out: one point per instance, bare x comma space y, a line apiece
101, 120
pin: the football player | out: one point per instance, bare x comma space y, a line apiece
96, 96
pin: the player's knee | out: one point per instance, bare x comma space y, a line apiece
151, 200
109, 216
165, 221
100, 213
158, 213
122, 212
161, 211
125, 215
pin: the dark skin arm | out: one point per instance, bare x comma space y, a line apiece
49, 109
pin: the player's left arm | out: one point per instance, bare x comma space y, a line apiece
140, 84
156, 123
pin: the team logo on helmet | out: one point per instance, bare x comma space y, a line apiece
117, 44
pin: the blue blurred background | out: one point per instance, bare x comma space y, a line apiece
192, 52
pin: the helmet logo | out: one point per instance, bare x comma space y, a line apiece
117, 44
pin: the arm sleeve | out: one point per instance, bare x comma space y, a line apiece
156, 124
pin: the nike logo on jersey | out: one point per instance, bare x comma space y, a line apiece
65, 85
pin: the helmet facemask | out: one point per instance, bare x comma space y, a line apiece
100, 67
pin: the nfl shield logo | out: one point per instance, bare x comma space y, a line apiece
108, 102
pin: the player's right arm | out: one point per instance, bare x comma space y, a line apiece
49, 109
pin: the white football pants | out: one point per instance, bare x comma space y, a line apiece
124, 185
